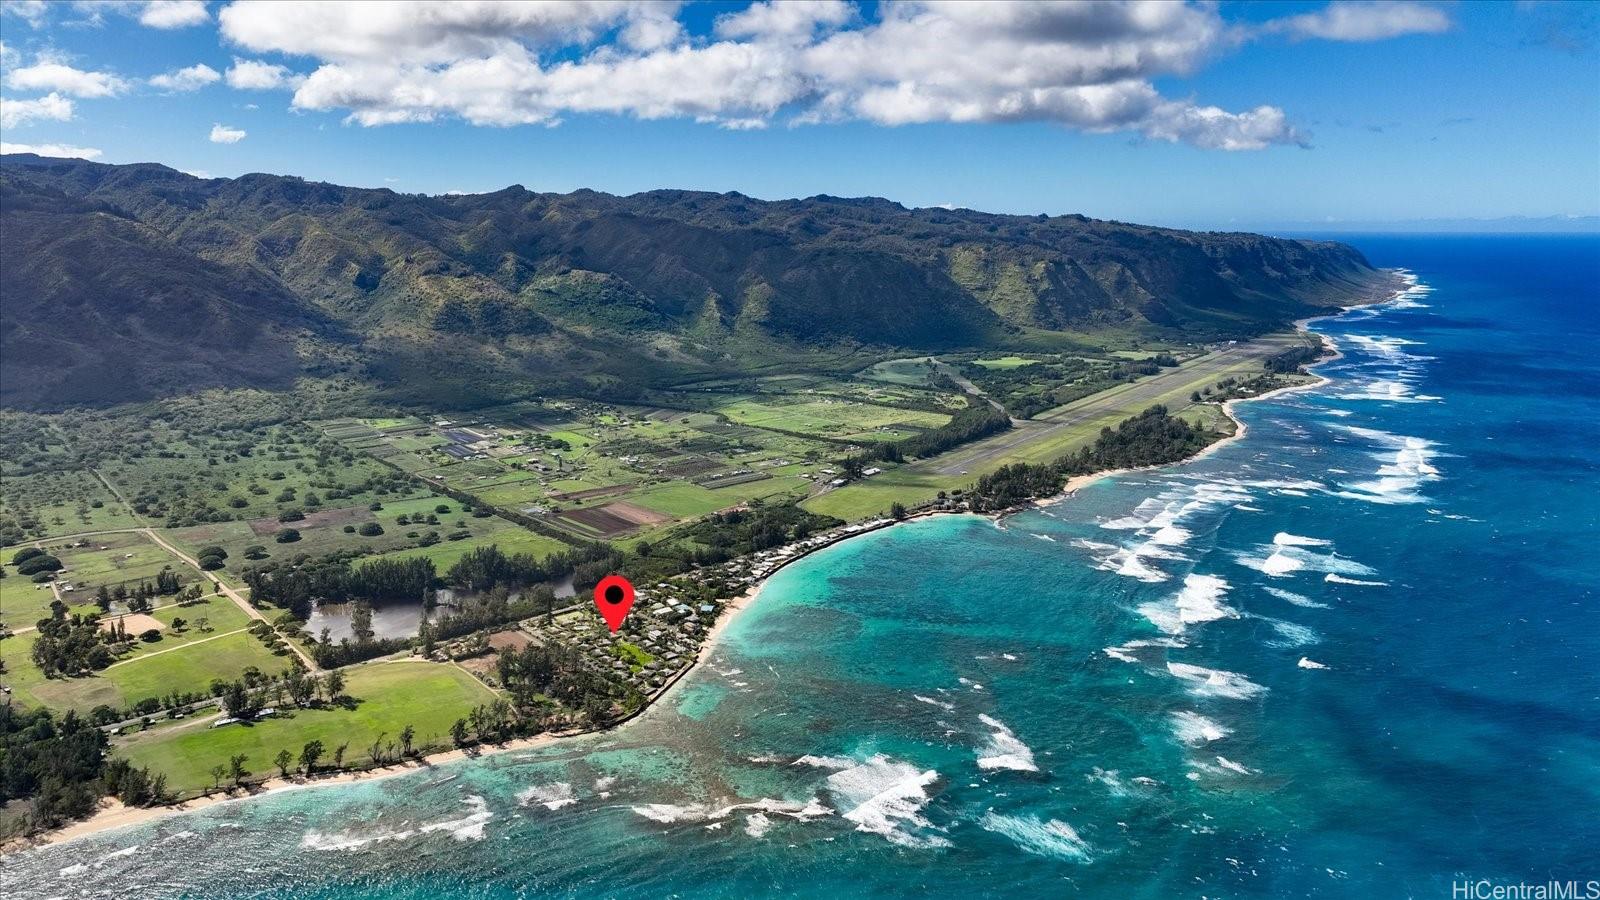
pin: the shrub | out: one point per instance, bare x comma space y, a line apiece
442, 508
26, 553
349, 529
150, 636
370, 529
255, 551
211, 563
213, 550
291, 515
286, 536
44, 562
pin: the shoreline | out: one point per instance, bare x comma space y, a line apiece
111, 814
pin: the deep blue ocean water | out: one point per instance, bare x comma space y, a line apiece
1353, 654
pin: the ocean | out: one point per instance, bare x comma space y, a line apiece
1353, 654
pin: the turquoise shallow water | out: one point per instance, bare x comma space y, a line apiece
1351, 655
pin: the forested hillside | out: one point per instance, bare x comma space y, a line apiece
135, 281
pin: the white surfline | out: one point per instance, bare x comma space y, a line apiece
885, 797
465, 828
550, 796
1336, 578
1204, 682
1052, 838
1194, 729
1198, 601
1004, 750
1292, 597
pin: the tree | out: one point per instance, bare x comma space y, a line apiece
300, 687
897, 510
286, 536
236, 769
338, 755
217, 771
335, 684
370, 529
203, 625
361, 621
179, 623
407, 735
282, 761
309, 754
376, 750
458, 733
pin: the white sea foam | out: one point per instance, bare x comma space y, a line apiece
1285, 560
1305, 663
674, 813
1336, 578
1004, 750
825, 762
464, 828
1203, 682
885, 797
1043, 537
1292, 597
1194, 729
932, 702
1292, 634
1285, 539
1232, 766
757, 824
1407, 462
550, 796
1053, 838
1199, 600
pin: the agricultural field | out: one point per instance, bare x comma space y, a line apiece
434, 526
55, 504
388, 696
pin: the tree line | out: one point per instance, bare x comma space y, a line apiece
1153, 437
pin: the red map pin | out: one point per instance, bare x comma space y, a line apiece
614, 596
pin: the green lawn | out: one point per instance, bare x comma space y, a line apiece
390, 695
872, 496
1005, 362
190, 666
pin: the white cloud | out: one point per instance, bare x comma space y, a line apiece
174, 14
191, 78
1089, 66
255, 75
66, 150
419, 31
51, 106
792, 20
30, 11
8, 55
50, 75
1375, 20
225, 134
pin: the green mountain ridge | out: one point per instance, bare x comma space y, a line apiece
147, 282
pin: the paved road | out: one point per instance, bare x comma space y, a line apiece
1127, 398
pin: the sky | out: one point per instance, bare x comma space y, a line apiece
1203, 115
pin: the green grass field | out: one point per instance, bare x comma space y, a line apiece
1005, 362
390, 695
836, 419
